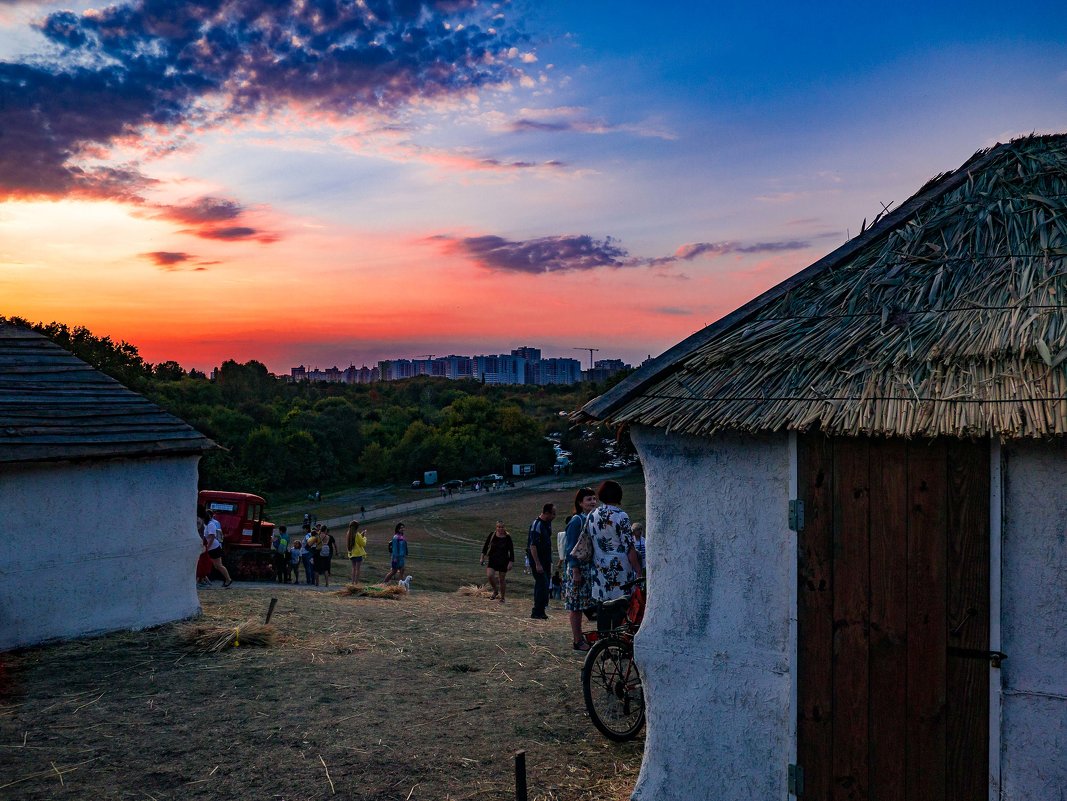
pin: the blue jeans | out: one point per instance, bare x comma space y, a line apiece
309, 567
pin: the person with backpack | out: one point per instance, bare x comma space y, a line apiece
279, 543
324, 555
398, 554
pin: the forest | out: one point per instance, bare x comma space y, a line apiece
277, 435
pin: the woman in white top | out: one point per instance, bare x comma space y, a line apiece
213, 541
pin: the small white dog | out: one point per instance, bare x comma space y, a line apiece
406, 583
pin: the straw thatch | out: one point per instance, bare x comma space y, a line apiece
944, 318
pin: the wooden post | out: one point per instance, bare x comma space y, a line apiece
270, 610
520, 776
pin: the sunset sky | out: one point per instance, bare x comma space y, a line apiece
332, 183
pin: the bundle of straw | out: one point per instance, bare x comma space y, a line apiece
212, 639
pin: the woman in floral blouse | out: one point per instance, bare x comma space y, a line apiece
615, 557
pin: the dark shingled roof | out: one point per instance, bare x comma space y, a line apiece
948, 317
54, 406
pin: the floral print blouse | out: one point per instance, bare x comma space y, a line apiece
609, 527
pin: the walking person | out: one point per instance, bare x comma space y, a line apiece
213, 541
398, 552
539, 549
615, 558
499, 551
356, 541
576, 587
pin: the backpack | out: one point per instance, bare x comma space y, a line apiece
324, 550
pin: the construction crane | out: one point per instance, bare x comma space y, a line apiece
591, 350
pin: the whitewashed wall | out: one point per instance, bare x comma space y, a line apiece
96, 546
715, 648
1034, 624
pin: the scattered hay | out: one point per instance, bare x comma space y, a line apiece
212, 639
373, 590
475, 590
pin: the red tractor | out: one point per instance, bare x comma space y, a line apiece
246, 548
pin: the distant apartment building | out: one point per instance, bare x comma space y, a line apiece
557, 371
334, 375
604, 369
499, 369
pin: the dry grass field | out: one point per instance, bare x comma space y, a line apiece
420, 696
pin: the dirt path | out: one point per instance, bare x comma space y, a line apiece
424, 697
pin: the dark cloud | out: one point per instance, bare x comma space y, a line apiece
121, 69
692, 250
521, 125
166, 258
232, 233
545, 255
204, 210
582, 252
674, 311
172, 261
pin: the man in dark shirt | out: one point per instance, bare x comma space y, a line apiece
539, 548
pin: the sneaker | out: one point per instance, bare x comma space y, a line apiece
494, 596
536, 616
580, 646
226, 584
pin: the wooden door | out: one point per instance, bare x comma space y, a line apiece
893, 619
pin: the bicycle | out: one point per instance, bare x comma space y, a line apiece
611, 683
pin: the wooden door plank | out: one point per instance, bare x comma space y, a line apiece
889, 619
815, 615
968, 620
927, 631
851, 608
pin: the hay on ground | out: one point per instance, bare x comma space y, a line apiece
373, 590
211, 639
475, 590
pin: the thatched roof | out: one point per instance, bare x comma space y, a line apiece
946, 317
54, 406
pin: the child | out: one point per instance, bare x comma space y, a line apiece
555, 588
294, 560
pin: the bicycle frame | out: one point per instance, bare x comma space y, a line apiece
635, 613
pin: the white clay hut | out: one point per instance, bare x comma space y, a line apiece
857, 501
98, 497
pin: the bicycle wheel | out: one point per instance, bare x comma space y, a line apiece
612, 689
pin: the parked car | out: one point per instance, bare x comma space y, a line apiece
493, 477
416, 484
454, 484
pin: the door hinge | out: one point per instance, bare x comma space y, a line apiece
796, 515
796, 780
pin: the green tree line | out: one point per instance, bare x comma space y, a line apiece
278, 435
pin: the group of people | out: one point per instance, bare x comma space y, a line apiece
316, 547
313, 550
617, 548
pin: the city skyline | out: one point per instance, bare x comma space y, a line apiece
246, 180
